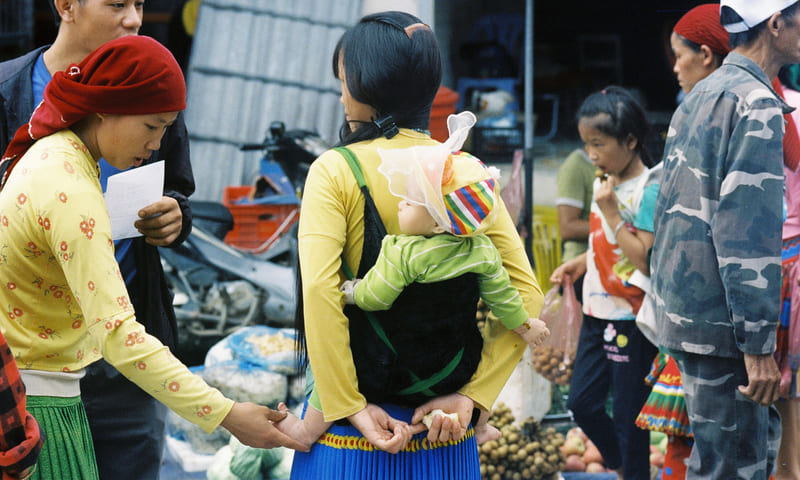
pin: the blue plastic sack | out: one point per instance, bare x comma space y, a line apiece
270, 348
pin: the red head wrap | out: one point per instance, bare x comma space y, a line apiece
132, 75
701, 26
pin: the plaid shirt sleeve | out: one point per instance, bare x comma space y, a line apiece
20, 436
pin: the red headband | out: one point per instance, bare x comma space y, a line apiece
701, 26
132, 75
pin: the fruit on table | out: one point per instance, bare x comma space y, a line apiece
574, 444
574, 463
592, 454
524, 451
595, 467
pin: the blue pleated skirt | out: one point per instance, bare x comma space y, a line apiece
342, 453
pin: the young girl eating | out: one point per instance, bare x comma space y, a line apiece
613, 355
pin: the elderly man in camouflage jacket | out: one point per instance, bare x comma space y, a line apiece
716, 271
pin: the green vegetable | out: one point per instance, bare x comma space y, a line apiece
255, 463
656, 437
282, 470
246, 461
220, 465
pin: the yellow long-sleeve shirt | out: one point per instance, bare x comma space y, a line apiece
331, 224
63, 300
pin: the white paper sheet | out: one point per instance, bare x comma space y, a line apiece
128, 192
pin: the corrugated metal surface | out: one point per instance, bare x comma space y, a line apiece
254, 62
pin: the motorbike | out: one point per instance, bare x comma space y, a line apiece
221, 283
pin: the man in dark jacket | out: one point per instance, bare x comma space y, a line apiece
127, 424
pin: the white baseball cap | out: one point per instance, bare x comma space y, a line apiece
753, 12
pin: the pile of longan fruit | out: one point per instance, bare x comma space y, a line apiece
523, 452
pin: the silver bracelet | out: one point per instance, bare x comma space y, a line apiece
618, 228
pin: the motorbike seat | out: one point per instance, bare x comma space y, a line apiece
212, 216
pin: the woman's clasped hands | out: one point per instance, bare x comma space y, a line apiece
391, 435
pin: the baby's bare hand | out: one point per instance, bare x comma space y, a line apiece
533, 331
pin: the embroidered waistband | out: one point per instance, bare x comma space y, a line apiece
354, 442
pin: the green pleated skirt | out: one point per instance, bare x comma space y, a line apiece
67, 452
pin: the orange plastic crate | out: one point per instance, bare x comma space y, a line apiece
256, 226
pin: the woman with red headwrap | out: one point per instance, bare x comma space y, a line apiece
699, 43
64, 301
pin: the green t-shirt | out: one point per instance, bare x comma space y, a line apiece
574, 189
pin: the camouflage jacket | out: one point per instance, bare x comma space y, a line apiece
716, 261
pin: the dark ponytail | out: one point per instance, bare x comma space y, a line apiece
395, 69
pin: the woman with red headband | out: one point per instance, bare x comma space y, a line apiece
65, 304
700, 44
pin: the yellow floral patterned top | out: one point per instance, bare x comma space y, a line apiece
63, 302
